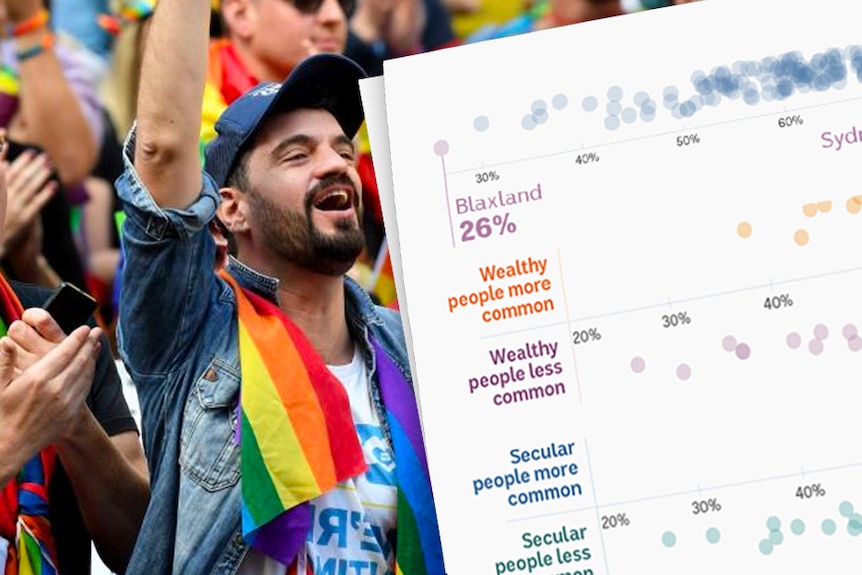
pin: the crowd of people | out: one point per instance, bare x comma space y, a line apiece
202, 169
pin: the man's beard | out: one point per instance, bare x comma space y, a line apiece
294, 237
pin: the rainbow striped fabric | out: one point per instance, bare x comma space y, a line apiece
297, 437
24, 500
297, 440
418, 550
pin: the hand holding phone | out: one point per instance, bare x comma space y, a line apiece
70, 307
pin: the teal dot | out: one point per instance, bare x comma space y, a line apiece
773, 523
854, 526
765, 546
845, 509
776, 537
797, 526
713, 535
668, 539
828, 526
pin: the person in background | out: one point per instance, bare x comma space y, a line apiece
549, 14
49, 105
72, 468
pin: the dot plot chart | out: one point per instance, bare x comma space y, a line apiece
633, 272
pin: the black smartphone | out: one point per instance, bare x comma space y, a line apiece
71, 307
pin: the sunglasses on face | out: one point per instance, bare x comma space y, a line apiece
312, 6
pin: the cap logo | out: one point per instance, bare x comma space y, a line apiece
268, 90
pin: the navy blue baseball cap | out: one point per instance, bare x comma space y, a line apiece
329, 78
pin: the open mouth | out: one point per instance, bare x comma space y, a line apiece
334, 200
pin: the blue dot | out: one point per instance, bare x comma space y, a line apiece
803, 74
647, 117
481, 123
539, 108
540, 117
670, 96
751, 97
725, 83
640, 98
797, 527
615, 93
818, 62
612, 122
821, 82
837, 73
751, 69
702, 83
614, 108
528, 122
845, 509
668, 539
784, 88
713, 99
589, 104
648, 108
559, 101
765, 546
687, 109
828, 526
704, 87
629, 115
773, 523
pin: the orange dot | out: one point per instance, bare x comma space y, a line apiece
854, 204
824, 206
809, 210
800, 237
743, 229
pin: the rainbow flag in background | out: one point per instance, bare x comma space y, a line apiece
36, 551
382, 282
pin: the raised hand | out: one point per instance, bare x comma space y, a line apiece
28, 189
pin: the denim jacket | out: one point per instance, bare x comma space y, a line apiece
178, 337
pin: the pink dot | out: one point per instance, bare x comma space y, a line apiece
855, 343
821, 331
815, 346
743, 351
850, 331
794, 340
441, 147
683, 371
638, 364
728, 343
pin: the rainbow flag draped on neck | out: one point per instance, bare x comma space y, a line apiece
26, 542
297, 440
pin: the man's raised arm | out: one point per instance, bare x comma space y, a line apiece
169, 102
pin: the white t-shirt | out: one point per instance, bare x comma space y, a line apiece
352, 524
